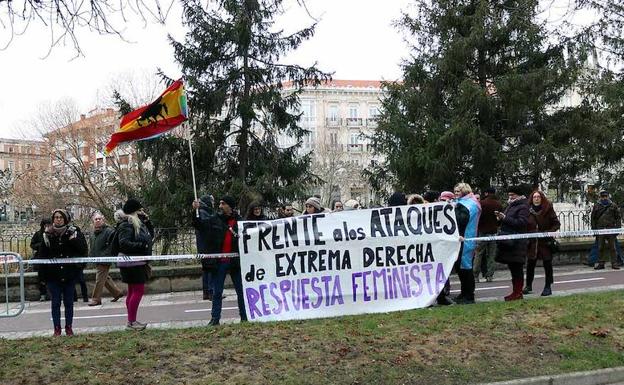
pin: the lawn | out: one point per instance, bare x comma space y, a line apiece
452, 345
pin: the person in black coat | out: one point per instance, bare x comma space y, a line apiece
201, 222
134, 238
35, 245
513, 252
62, 240
222, 235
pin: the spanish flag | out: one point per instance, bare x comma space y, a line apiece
168, 111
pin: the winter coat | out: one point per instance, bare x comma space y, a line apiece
133, 244
488, 224
100, 243
70, 244
202, 236
215, 227
467, 213
605, 216
545, 220
515, 222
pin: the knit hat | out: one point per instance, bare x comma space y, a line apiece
518, 190
604, 192
64, 213
351, 204
490, 190
206, 201
229, 201
397, 199
431, 196
132, 205
314, 202
447, 196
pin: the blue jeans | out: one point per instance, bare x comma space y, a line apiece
593, 253
218, 280
64, 290
207, 282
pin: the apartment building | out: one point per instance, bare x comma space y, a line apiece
339, 115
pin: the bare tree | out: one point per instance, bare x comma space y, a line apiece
63, 18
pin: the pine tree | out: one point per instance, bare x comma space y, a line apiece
479, 98
239, 109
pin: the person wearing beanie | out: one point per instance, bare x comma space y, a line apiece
205, 211
221, 232
606, 215
135, 237
514, 220
62, 240
397, 199
313, 206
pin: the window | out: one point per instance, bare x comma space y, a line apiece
10, 149
373, 111
333, 113
353, 111
308, 109
354, 138
11, 165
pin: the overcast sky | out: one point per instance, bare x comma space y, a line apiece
354, 39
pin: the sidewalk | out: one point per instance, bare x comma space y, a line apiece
610, 376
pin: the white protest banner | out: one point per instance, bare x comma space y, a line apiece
350, 262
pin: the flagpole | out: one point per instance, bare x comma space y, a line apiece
192, 168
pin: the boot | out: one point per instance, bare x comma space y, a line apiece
68, 330
57, 331
517, 290
547, 291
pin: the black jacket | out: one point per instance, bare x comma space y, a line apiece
64, 246
100, 243
130, 243
515, 222
214, 228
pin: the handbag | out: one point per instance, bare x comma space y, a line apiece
552, 244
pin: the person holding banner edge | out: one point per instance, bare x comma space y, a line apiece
223, 238
513, 252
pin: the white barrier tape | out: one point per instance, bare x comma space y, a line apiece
554, 234
125, 258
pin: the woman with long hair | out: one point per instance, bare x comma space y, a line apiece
61, 240
134, 238
542, 218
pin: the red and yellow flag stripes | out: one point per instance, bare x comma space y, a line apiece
163, 114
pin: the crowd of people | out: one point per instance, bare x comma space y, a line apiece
216, 228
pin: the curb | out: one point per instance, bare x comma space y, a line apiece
592, 377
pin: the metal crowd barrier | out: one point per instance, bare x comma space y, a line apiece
7, 258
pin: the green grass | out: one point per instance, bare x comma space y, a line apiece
452, 345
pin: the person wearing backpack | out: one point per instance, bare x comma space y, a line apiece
100, 246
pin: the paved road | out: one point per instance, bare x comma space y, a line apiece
177, 310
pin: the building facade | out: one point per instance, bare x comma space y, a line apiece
339, 116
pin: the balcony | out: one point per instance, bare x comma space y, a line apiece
355, 147
333, 122
372, 122
354, 122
